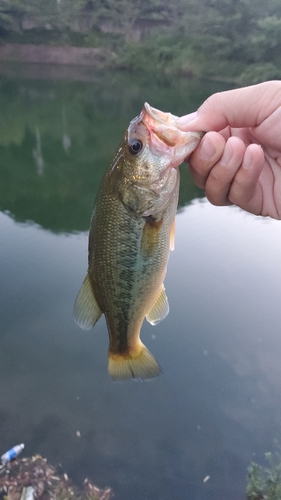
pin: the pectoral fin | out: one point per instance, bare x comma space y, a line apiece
160, 308
86, 309
150, 236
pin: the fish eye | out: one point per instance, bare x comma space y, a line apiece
135, 147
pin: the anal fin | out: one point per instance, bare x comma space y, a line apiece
86, 309
160, 308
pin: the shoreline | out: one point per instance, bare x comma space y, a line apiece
56, 55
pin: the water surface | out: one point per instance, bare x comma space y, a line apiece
217, 404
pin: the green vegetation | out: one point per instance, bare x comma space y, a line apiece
264, 483
231, 40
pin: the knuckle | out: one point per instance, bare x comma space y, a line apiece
213, 176
217, 199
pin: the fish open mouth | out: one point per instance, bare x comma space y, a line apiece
164, 132
161, 124
167, 140
160, 116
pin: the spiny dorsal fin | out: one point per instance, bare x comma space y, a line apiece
160, 308
139, 364
86, 309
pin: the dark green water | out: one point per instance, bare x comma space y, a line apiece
217, 404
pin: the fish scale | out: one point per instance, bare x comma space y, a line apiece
130, 239
127, 277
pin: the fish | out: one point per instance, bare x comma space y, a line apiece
132, 232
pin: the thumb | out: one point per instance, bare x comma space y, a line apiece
244, 107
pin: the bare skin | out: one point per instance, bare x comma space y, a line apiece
238, 161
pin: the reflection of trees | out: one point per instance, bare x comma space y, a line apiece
37, 153
90, 117
66, 141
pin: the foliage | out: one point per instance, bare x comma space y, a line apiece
256, 73
183, 36
264, 483
7, 18
167, 54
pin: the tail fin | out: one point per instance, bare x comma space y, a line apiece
140, 364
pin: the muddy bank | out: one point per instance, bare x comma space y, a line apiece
44, 54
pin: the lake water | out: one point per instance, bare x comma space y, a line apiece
217, 405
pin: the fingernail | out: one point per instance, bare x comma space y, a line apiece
185, 120
207, 149
227, 155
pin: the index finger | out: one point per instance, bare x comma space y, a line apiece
244, 107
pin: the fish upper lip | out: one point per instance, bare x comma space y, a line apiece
163, 125
160, 116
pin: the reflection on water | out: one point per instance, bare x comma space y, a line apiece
37, 153
217, 404
57, 139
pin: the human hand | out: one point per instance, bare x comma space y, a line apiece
238, 161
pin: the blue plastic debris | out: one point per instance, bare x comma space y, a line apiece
12, 453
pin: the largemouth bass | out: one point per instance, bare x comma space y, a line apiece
132, 232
